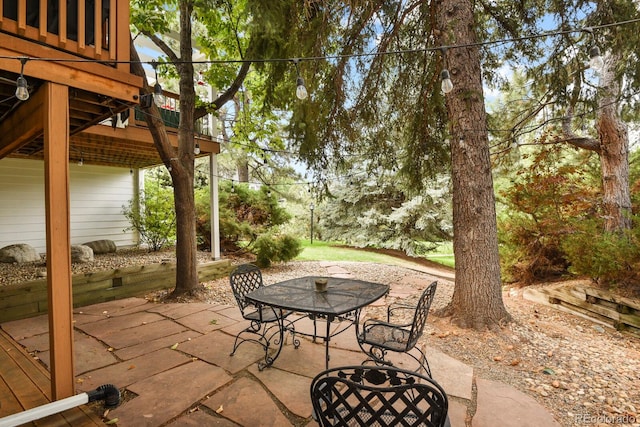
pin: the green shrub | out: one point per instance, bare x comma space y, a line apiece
154, 218
270, 248
609, 258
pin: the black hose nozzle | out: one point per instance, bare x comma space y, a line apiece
107, 392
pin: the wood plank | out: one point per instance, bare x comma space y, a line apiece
26, 393
22, 374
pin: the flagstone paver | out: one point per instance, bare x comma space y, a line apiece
177, 310
290, 389
128, 372
115, 308
498, 401
149, 346
205, 321
201, 419
89, 354
216, 347
25, 328
109, 325
167, 395
143, 333
442, 366
246, 403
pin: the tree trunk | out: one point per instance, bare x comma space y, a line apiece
186, 242
477, 297
614, 152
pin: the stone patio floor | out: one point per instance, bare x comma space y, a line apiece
172, 363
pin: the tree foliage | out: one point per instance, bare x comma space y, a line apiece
386, 214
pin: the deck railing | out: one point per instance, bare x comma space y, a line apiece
88, 28
169, 107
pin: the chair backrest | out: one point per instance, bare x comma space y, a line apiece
371, 395
244, 279
420, 316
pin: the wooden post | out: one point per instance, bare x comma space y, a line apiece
56, 166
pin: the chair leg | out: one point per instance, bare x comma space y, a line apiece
256, 329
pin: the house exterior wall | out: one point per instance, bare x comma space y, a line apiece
97, 194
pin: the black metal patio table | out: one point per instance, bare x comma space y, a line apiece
342, 296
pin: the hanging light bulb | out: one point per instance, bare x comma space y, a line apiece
301, 90
595, 60
157, 94
22, 89
157, 89
446, 84
196, 149
233, 189
81, 162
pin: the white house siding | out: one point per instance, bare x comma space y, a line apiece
97, 195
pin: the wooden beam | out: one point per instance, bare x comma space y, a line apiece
90, 76
57, 206
23, 125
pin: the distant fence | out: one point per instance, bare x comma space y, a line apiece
30, 298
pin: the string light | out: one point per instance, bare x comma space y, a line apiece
22, 89
595, 60
446, 84
157, 89
196, 149
301, 90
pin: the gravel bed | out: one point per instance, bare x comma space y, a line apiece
582, 372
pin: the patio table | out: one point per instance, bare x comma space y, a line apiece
342, 296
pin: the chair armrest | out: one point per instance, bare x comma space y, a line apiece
372, 322
393, 307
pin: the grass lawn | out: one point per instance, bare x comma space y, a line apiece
331, 251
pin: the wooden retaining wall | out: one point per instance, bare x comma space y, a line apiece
30, 298
621, 313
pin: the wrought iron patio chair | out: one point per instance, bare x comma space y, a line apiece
267, 322
373, 395
377, 337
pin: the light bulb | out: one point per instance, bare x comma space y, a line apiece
81, 162
157, 94
595, 60
447, 84
22, 91
196, 150
301, 90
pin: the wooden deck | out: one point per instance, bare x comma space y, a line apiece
25, 384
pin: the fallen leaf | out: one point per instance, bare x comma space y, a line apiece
219, 410
213, 321
110, 349
148, 415
113, 421
548, 371
497, 358
132, 367
173, 347
515, 362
